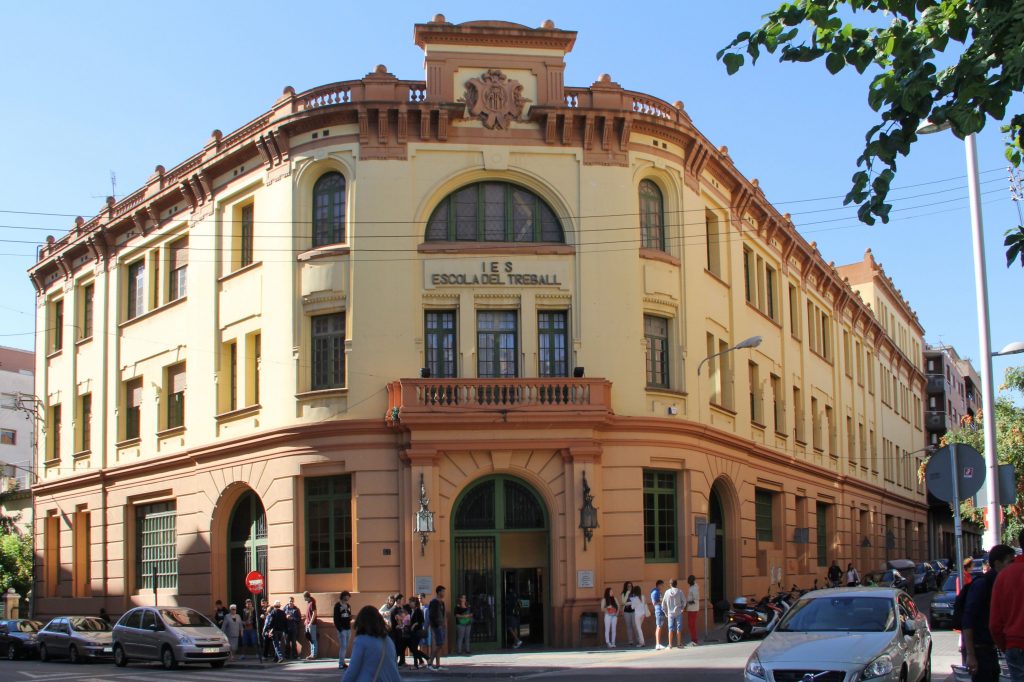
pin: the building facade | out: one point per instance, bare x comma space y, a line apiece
17, 434
487, 296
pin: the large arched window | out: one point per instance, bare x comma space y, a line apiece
329, 210
652, 216
494, 212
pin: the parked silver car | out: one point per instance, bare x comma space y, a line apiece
171, 635
846, 634
77, 638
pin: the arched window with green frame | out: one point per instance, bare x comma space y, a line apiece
652, 216
494, 212
329, 210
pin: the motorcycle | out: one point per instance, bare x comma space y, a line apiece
753, 620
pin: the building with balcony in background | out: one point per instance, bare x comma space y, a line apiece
17, 434
487, 289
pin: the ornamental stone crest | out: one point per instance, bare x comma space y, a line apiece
495, 99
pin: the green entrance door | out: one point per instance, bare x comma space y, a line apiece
500, 559
247, 546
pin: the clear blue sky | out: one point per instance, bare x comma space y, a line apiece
88, 88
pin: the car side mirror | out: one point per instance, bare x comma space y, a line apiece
909, 628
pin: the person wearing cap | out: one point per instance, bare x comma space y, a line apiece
232, 627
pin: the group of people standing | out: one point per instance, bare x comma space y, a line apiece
279, 625
407, 624
669, 606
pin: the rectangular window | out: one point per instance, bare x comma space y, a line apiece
88, 294
863, 445
58, 326
764, 501
80, 553
257, 362
815, 425
860, 363
847, 354
778, 404
232, 376
770, 280
714, 248
660, 535
133, 407
440, 342
136, 289
798, 416
749, 285
156, 546
246, 236
85, 418
794, 311
175, 395
822, 514
553, 343
874, 452
329, 524
8, 437
328, 351
833, 436
51, 553
179, 270
497, 334
55, 419
851, 443
756, 403
656, 344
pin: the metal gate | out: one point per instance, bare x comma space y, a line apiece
475, 558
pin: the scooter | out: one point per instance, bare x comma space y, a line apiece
746, 620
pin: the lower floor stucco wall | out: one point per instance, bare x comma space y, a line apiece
86, 535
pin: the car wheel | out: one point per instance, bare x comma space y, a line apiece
167, 659
73, 656
217, 664
734, 636
12, 652
120, 660
44, 654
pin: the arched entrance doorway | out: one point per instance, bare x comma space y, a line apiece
717, 569
500, 561
247, 545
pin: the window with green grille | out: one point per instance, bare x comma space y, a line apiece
763, 502
660, 534
329, 524
494, 212
822, 514
157, 545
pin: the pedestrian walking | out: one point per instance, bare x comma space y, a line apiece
417, 632
640, 612
401, 622
852, 576
1006, 622
627, 612
343, 624
610, 607
249, 638
835, 574
512, 618
981, 657
437, 622
659, 614
373, 652
692, 608
219, 613
463, 625
672, 602
294, 616
310, 623
276, 629
232, 627
268, 644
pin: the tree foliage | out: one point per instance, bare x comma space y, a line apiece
16, 563
1009, 444
984, 40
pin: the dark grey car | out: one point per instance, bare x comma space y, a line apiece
18, 638
942, 603
77, 638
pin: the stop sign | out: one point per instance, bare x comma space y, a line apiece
254, 582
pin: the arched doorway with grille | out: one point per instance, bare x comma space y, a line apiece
723, 569
246, 545
501, 561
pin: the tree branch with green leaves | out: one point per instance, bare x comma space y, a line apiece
908, 87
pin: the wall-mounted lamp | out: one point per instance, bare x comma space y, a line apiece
424, 372
424, 517
588, 514
577, 372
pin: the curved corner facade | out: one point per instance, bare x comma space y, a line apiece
473, 296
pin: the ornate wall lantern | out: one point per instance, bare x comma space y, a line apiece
424, 518
588, 514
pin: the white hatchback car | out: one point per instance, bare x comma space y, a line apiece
848, 634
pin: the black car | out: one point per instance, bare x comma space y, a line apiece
18, 638
942, 603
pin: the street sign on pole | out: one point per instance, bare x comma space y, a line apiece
254, 582
939, 475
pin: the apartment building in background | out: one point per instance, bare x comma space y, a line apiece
17, 434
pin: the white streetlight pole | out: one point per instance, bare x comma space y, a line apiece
993, 532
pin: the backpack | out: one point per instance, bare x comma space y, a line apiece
959, 606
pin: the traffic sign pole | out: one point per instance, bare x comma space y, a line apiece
957, 526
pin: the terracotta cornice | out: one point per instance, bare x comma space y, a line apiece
493, 34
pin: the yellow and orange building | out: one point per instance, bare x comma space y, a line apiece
487, 289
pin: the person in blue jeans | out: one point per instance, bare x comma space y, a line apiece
343, 624
659, 614
373, 652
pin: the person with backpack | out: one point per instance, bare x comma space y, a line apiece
1006, 620
979, 648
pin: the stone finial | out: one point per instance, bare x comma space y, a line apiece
380, 68
159, 170
604, 78
724, 150
110, 204
49, 240
814, 245
79, 221
755, 182
548, 24
788, 218
678, 104
438, 19
216, 134
288, 91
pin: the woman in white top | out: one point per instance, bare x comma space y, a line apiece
636, 600
611, 616
852, 576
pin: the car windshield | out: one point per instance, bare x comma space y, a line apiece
186, 618
921, 568
80, 624
854, 613
28, 625
950, 584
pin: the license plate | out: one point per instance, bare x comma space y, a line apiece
211, 650
108, 650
